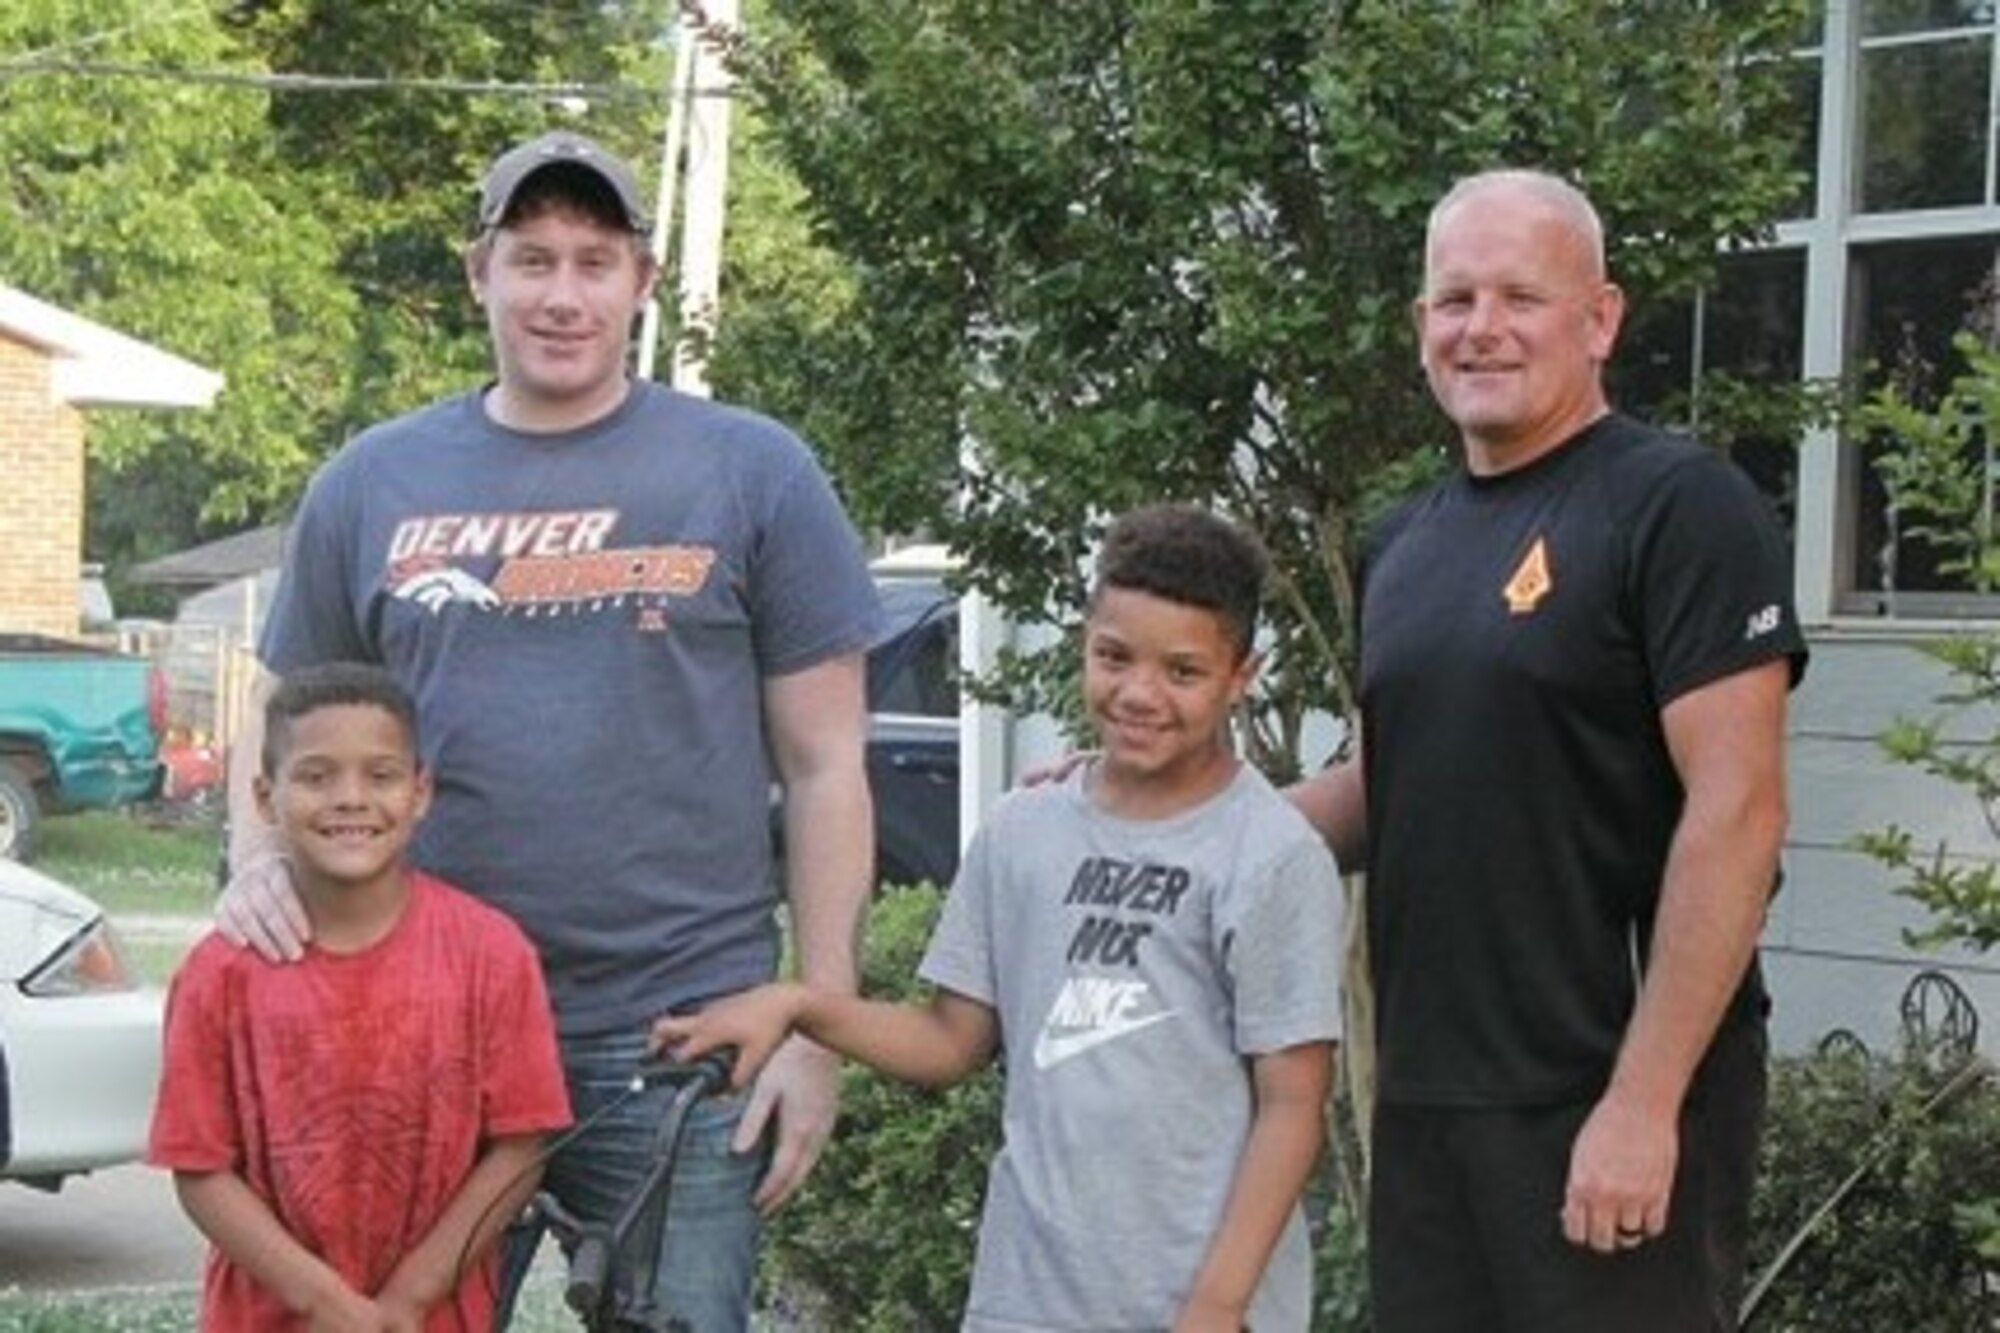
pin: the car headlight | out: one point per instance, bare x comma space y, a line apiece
91, 962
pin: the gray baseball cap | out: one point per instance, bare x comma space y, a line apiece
512, 169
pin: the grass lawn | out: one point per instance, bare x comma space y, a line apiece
150, 875
106, 1312
133, 865
541, 1310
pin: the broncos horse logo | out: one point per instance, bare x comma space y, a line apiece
436, 586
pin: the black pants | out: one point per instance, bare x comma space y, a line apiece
1465, 1224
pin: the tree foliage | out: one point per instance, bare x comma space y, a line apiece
1107, 253
303, 241
1933, 463
153, 208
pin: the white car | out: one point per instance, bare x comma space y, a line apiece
79, 1037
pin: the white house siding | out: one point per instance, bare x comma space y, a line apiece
1834, 948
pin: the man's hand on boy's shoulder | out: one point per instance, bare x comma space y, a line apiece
260, 909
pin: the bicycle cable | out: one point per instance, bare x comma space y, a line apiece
636, 1085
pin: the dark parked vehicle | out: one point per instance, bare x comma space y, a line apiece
912, 732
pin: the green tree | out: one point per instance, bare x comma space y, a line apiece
302, 239
150, 206
394, 171
1103, 253
1934, 466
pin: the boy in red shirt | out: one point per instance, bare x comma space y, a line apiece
353, 1132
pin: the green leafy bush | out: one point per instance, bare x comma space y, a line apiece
881, 1240
1932, 462
1340, 1260
1899, 1251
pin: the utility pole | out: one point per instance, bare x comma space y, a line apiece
697, 129
678, 85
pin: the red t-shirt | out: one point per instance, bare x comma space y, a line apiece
354, 1092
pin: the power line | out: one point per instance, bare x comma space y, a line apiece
103, 35
345, 83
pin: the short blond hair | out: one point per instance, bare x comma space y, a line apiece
1546, 187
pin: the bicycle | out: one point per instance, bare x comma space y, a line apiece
614, 1265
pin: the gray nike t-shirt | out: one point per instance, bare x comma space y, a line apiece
1134, 965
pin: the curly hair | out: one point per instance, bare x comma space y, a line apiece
331, 685
1186, 554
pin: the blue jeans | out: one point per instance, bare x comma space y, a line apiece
710, 1254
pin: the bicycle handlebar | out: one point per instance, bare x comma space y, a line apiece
590, 1289
711, 1069
589, 1272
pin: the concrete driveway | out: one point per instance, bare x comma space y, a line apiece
116, 1228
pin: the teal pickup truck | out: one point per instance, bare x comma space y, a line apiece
79, 730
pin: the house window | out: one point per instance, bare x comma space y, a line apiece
1926, 131
1908, 299
1804, 68
1746, 326
1899, 240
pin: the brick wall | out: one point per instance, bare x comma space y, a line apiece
41, 496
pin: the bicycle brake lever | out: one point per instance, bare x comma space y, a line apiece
550, 1209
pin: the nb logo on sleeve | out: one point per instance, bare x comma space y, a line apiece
1763, 622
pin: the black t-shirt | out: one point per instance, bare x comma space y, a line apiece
1520, 636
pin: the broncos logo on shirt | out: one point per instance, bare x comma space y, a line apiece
435, 587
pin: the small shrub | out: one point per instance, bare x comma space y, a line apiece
1897, 1252
881, 1240
1340, 1261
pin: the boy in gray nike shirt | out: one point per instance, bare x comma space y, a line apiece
1156, 943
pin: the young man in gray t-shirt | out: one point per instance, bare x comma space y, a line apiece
1156, 942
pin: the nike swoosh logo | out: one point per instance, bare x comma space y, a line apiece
1051, 1051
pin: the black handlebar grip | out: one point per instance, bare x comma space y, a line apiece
710, 1069
587, 1271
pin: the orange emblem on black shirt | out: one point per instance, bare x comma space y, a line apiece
1532, 580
